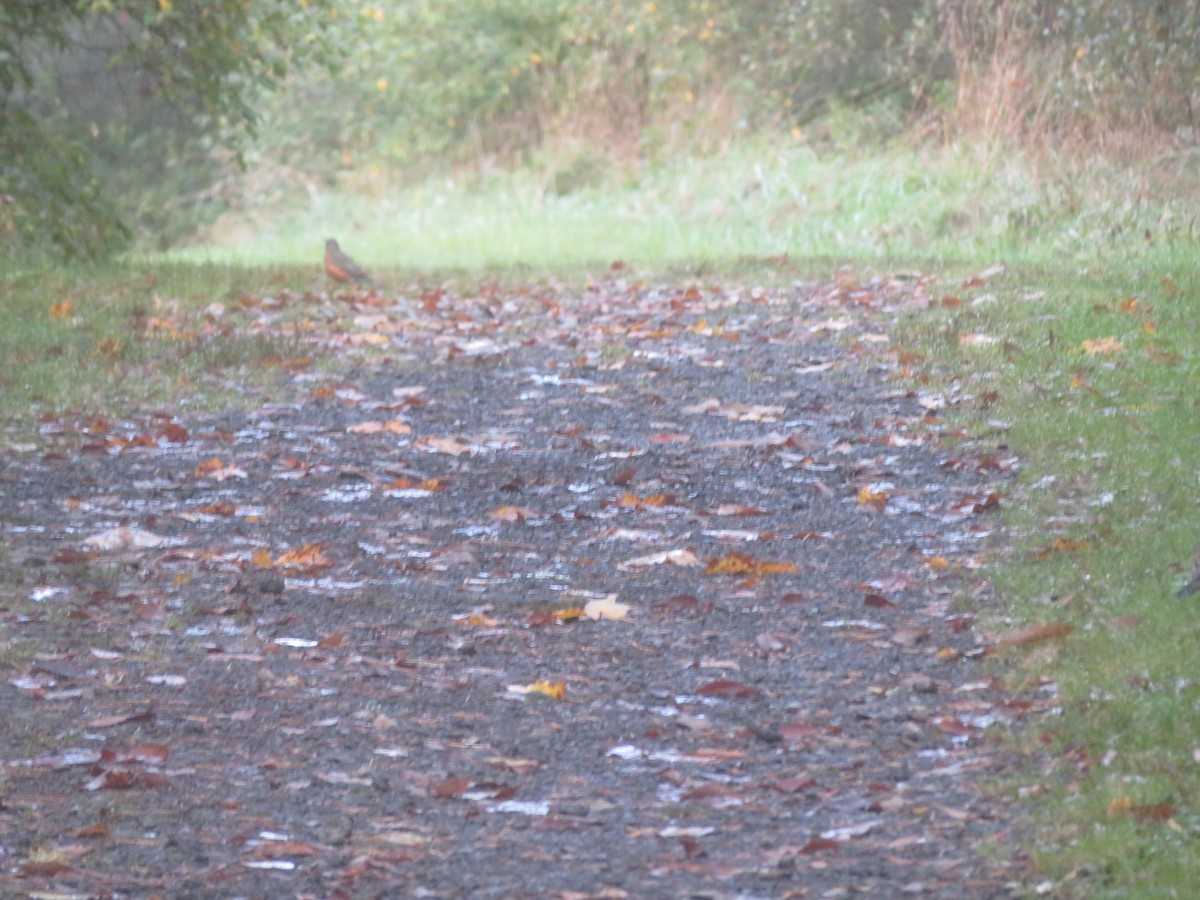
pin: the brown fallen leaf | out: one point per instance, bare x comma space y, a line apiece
794, 785
514, 514
451, 788
728, 690
1040, 631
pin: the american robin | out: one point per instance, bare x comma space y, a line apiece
341, 267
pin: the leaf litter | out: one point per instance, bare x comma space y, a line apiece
290, 638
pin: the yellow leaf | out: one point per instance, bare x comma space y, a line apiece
776, 568
554, 690
261, 558
866, 495
568, 615
938, 562
744, 564
62, 309
481, 619
1102, 346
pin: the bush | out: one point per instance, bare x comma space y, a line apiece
106, 110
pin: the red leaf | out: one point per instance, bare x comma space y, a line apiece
794, 785
817, 845
452, 788
729, 690
951, 725
878, 601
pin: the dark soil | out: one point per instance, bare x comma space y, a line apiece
810, 718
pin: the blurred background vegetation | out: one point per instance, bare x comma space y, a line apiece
147, 120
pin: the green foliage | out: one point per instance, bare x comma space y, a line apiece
103, 339
805, 58
100, 102
423, 82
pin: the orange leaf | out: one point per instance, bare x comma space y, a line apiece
554, 690
1063, 545
735, 563
1102, 346
208, 466
1041, 631
261, 558
517, 514
307, 558
61, 309
866, 495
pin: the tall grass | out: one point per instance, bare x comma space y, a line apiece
764, 197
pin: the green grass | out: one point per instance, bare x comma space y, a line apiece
762, 198
98, 341
1119, 434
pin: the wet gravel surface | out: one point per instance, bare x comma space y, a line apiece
314, 678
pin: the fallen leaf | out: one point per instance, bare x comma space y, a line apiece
681, 557
392, 426
1041, 631
308, 558
556, 690
794, 785
607, 608
1102, 346
515, 514
120, 538
876, 500
818, 845
451, 788
728, 690
744, 564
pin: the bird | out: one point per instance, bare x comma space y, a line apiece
340, 267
